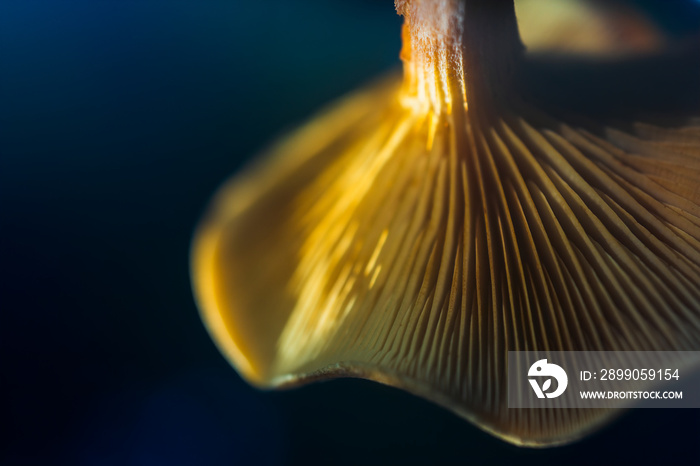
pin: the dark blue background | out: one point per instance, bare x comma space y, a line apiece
118, 119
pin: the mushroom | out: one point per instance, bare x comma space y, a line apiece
423, 227
603, 28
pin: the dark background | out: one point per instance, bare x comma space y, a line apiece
118, 120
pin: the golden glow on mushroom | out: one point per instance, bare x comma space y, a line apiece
421, 229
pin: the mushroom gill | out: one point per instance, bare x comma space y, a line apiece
422, 228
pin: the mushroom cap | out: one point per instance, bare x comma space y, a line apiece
416, 247
601, 29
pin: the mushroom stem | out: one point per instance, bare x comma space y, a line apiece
458, 51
